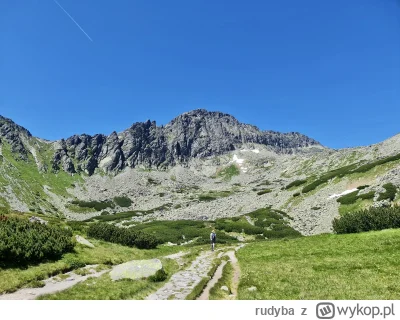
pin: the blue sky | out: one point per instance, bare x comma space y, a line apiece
328, 69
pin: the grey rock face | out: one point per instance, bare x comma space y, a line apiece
195, 134
200, 133
12, 134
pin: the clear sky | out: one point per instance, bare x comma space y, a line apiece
328, 69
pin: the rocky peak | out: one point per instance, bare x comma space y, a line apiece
14, 135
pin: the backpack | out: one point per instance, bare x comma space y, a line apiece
214, 237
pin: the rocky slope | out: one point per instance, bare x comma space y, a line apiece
201, 165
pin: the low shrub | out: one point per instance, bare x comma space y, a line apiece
354, 196
152, 181
390, 192
181, 231
350, 169
264, 192
228, 172
348, 198
295, 183
23, 242
341, 172
127, 237
367, 220
368, 195
264, 183
296, 194
239, 226
74, 263
77, 226
369, 166
128, 214
123, 202
114, 217
282, 231
363, 187
206, 198
159, 276
97, 205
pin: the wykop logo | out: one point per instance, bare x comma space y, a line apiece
325, 310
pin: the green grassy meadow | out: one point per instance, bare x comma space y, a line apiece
359, 266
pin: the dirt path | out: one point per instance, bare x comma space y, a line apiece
217, 275
236, 273
52, 285
183, 282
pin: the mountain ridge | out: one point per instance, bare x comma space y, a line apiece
195, 134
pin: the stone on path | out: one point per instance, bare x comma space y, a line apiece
83, 241
136, 269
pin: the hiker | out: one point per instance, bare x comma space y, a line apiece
213, 238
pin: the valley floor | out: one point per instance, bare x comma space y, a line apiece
354, 266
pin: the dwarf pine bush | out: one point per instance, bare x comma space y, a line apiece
367, 220
390, 192
295, 183
126, 237
22, 241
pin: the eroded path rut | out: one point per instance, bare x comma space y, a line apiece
183, 282
218, 274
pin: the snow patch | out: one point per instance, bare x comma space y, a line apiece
239, 162
254, 150
342, 194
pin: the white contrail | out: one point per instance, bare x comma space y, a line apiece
73, 20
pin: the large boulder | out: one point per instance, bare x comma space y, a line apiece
136, 269
83, 241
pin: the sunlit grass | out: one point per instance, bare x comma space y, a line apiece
354, 266
12, 279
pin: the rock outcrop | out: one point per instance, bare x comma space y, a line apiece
14, 134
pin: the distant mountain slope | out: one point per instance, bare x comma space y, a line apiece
201, 165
